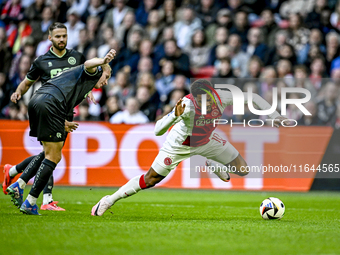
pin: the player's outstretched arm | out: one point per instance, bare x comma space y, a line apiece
92, 64
21, 90
168, 120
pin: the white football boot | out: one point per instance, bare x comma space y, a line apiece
220, 170
101, 207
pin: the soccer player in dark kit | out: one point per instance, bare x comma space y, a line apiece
45, 67
47, 112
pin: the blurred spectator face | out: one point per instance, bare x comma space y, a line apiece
129, 20
25, 64
336, 75
224, 20
170, 48
112, 104
153, 18
47, 13
321, 3
143, 95
92, 23
333, 41
317, 66
221, 35
325, 17
134, 39
146, 79
29, 50
149, 4
188, 15
2, 35
222, 51
315, 37
268, 17
168, 33
145, 48
241, 20
269, 75
92, 53
180, 82
168, 68
72, 18
286, 51
2, 79
234, 3
207, 3
39, 2
13, 111
294, 21
120, 4
132, 105
96, 3
314, 52
254, 68
225, 67
83, 111
108, 34
300, 74
254, 36
121, 79
169, 5
331, 91
176, 95
198, 38
144, 64
284, 67
83, 38
280, 39
234, 42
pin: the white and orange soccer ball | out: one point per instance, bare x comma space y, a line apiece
272, 208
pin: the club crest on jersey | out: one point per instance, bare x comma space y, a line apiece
215, 112
167, 161
71, 60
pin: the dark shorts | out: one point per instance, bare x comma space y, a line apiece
47, 118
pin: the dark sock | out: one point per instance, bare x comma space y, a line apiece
45, 170
49, 186
32, 167
22, 165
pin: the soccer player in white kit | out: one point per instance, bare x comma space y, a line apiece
192, 134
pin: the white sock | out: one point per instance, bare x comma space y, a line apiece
32, 200
47, 198
22, 183
129, 189
13, 171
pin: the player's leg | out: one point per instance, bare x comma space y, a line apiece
52, 157
11, 171
16, 190
160, 168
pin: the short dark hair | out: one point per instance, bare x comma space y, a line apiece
56, 25
198, 87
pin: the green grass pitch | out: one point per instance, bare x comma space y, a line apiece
162, 221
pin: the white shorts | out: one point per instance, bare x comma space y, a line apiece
217, 149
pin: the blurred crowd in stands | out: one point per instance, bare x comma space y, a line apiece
162, 44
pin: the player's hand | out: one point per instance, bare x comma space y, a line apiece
70, 126
278, 120
15, 97
109, 56
91, 97
179, 108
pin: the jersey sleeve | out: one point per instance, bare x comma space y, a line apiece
82, 59
166, 122
34, 73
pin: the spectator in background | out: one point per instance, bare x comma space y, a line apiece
110, 108
6, 90
198, 50
118, 62
224, 21
326, 108
5, 53
92, 26
105, 45
131, 114
12, 12
181, 61
315, 39
181, 82
84, 114
147, 107
143, 11
121, 87
115, 16
73, 25
317, 68
144, 66
79, 5
147, 80
313, 18
298, 36
96, 8
268, 80
84, 43
332, 50
221, 37
235, 5
325, 23
302, 81
168, 12
280, 39
240, 26
284, 71
255, 66
167, 34
24, 66
206, 11
154, 27
165, 83
310, 120
59, 8
225, 71
269, 28
40, 28
184, 28
125, 30
255, 47
335, 17
239, 59
34, 11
